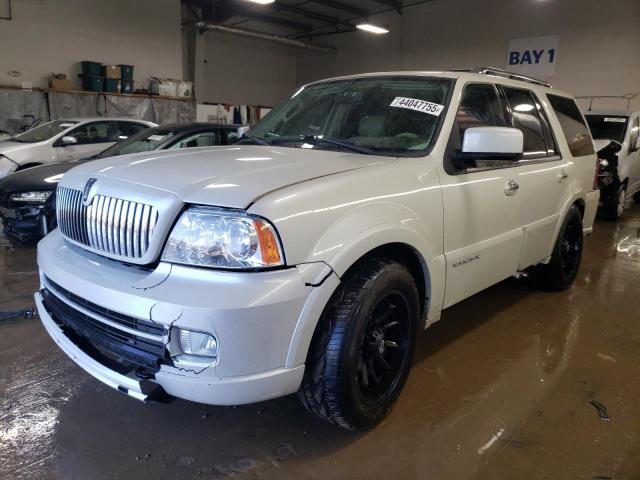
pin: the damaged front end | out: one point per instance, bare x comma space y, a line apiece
131, 347
608, 178
26, 220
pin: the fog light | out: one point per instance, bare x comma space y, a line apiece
198, 343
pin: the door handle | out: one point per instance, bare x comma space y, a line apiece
511, 187
563, 175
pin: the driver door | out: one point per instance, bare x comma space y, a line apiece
482, 225
92, 138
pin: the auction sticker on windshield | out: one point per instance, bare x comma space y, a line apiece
417, 105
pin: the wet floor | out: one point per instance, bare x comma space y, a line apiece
512, 383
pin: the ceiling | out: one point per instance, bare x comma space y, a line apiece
295, 19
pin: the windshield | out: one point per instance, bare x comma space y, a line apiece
144, 141
379, 115
44, 131
608, 127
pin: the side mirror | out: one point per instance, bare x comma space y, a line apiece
636, 146
492, 143
242, 131
68, 140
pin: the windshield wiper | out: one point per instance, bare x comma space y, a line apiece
255, 140
312, 139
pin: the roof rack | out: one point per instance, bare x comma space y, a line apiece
499, 72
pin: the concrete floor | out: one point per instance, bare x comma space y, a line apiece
501, 389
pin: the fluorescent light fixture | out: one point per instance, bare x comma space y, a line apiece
367, 27
262, 2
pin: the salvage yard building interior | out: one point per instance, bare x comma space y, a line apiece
215, 262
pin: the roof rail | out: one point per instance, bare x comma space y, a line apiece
499, 72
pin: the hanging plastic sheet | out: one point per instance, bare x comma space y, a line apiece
20, 108
130, 107
15, 105
70, 105
173, 111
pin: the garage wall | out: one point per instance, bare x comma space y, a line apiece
242, 70
54, 35
597, 54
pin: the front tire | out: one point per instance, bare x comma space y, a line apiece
563, 267
614, 204
361, 352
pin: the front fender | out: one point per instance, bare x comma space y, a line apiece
348, 240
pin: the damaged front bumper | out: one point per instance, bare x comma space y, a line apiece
28, 222
253, 316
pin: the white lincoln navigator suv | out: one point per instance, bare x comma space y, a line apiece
307, 257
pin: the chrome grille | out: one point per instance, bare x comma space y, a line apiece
112, 225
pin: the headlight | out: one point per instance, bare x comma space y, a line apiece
198, 343
30, 197
210, 237
7, 166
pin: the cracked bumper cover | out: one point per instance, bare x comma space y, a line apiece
253, 316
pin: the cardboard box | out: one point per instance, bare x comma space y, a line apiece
62, 84
111, 71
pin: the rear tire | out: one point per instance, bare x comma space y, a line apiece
614, 204
361, 352
563, 267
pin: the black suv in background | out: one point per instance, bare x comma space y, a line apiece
27, 197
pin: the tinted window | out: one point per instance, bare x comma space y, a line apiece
607, 127
95, 132
575, 130
524, 112
229, 137
126, 129
202, 139
143, 141
479, 107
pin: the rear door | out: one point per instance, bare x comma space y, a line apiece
91, 138
543, 175
482, 224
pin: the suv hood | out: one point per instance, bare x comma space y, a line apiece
222, 176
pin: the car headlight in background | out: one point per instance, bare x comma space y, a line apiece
210, 237
7, 166
30, 197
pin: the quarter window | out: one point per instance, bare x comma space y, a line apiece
524, 111
573, 125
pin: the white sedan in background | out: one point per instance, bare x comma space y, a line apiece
61, 140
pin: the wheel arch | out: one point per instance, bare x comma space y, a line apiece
389, 245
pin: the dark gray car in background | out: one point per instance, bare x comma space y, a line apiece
27, 197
